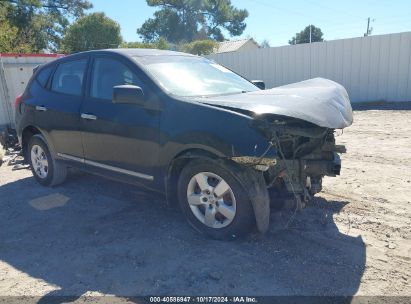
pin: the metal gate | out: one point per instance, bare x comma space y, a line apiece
373, 68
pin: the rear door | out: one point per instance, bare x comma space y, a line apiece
57, 111
122, 138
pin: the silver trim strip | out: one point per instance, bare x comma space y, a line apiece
107, 167
77, 159
41, 108
136, 174
88, 116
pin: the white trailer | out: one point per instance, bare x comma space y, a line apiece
15, 72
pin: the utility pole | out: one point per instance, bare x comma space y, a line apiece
310, 32
369, 29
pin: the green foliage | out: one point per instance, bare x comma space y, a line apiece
9, 39
188, 20
41, 23
199, 47
137, 45
161, 44
304, 35
92, 32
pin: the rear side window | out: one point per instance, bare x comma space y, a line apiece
108, 73
44, 75
69, 76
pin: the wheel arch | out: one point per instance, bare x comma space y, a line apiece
26, 135
177, 164
56, 172
28, 132
246, 176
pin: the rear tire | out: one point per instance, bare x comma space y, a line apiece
214, 201
46, 170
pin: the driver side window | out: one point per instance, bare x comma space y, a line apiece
108, 73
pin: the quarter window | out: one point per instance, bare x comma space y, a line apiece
108, 73
44, 75
69, 76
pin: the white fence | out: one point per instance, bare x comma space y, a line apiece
15, 72
374, 68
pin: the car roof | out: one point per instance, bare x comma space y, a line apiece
147, 52
132, 53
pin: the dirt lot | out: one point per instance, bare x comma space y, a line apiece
94, 236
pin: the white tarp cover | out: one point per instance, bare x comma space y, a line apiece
320, 101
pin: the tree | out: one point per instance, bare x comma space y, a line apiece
199, 47
161, 44
304, 35
9, 39
42, 23
265, 44
188, 20
92, 32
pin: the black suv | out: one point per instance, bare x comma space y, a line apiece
184, 126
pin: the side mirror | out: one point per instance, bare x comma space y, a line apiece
259, 84
128, 94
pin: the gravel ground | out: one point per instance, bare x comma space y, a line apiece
93, 236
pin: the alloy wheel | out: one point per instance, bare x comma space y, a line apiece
211, 200
39, 161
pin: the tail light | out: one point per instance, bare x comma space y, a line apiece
18, 101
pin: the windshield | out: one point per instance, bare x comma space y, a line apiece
194, 76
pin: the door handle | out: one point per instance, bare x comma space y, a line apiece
41, 108
88, 116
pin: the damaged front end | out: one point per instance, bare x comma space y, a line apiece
299, 123
305, 154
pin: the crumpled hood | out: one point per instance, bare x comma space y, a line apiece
320, 101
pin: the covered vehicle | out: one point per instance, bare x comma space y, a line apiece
187, 127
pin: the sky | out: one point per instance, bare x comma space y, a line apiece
278, 20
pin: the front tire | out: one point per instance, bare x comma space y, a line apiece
46, 170
214, 201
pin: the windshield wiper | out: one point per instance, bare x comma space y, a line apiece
215, 95
225, 94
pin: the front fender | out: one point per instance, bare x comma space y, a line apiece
257, 191
226, 134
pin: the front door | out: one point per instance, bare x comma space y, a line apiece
123, 138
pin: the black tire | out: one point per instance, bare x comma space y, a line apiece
56, 171
244, 218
